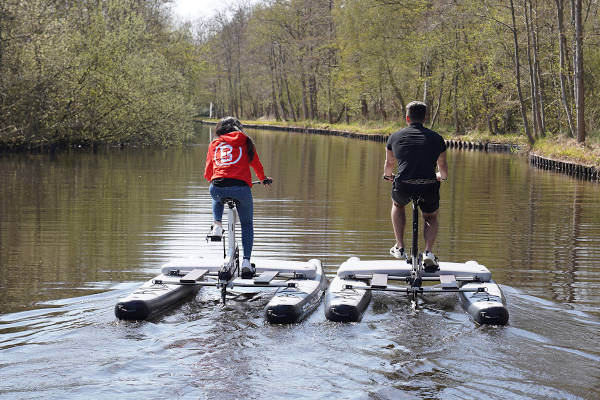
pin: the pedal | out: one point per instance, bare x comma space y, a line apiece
224, 275
430, 269
416, 282
214, 238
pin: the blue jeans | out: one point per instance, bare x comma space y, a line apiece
245, 209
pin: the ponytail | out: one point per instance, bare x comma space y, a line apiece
250, 149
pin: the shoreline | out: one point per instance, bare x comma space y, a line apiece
573, 169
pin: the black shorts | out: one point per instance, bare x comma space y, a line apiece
429, 193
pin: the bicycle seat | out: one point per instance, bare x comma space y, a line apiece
416, 187
419, 181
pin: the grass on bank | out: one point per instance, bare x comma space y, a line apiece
567, 149
554, 147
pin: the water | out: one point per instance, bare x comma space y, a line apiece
80, 230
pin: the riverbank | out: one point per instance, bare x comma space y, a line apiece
557, 153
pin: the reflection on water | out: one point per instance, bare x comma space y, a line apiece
79, 230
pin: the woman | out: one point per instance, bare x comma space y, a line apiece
228, 163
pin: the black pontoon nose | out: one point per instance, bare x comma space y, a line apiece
283, 314
343, 313
132, 310
493, 316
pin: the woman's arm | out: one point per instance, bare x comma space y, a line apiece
257, 166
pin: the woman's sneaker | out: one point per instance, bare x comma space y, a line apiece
430, 262
248, 269
216, 230
400, 254
215, 234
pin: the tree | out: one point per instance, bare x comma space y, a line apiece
579, 74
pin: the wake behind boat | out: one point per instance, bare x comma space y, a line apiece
299, 287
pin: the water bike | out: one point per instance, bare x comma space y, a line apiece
349, 293
299, 286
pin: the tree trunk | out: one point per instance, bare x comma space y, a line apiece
538, 75
395, 88
518, 75
312, 90
289, 98
579, 81
364, 107
273, 76
437, 108
455, 117
282, 80
564, 92
532, 80
426, 82
535, 68
304, 100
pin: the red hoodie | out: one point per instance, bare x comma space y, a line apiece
227, 157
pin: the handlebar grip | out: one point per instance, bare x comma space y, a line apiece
266, 181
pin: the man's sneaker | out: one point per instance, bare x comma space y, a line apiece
248, 269
400, 254
430, 262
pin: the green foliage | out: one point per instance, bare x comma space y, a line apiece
367, 58
104, 73
117, 72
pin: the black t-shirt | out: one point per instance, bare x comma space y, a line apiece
417, 149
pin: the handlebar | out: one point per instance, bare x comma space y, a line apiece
266, 181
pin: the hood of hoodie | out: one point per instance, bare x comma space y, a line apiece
235, 138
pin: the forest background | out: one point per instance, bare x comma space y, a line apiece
123, 72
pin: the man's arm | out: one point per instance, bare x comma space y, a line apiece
442, 165
390, 163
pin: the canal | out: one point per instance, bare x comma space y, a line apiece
79, 230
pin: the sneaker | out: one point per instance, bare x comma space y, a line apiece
400, 254
216, 230
430, 262
248, 269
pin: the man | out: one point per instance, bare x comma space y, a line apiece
417, 151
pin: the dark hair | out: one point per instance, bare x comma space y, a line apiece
232, 124
416, 111
228, 124
250, 148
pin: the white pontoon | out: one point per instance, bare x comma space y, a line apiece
349, 293
299, 285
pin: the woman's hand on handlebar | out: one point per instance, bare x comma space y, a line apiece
267, 181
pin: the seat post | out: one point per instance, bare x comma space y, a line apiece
415, 238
